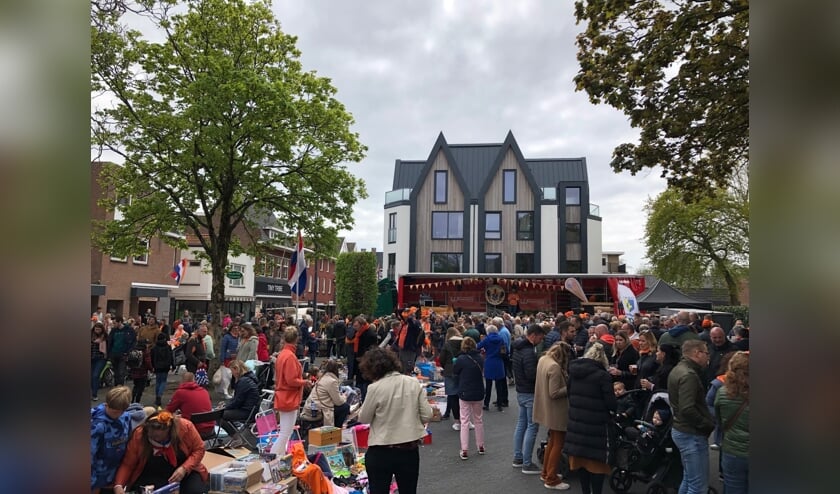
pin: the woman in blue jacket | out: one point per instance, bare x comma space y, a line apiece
494, 367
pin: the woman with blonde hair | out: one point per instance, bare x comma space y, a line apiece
551, 409
732, 407
591, 399
288, 388
647, 364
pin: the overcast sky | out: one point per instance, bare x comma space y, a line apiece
408, 70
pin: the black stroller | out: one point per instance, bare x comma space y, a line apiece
645, 452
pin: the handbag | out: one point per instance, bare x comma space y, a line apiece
201, 377
217, 376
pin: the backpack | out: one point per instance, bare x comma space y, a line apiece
134, 359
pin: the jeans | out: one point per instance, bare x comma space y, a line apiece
471, 412
694, 453
160, 383
525, 434
285, 427
382, 462
120, 370
736, 473
96, 367
340, 413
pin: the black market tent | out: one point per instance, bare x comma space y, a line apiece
661, 294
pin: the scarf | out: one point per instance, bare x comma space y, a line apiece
358, 337
164, 450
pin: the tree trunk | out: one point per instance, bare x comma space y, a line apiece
218, 265
732, 286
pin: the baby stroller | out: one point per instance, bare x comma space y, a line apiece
645, 451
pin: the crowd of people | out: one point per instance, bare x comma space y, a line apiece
569, 370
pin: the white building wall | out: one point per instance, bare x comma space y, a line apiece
593, 247
197, 284
549, 263
401, 247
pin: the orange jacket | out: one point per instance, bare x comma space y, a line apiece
288, 380
189, 442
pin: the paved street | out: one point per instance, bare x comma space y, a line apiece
441, 470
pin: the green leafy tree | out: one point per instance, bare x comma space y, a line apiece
216, 124
680, 71
708, 237
355, 283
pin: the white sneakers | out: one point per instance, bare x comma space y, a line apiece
457, 426
562, 486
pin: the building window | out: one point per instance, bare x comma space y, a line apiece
525, 225
119, 259
524, 263
573, 251
447, 225
283, 269
392, 228
603, 261
572, 196
574, 266
142, 258
240, 268
493, 225
446, 262
194, 264
573, 232
121, 203
492, 263
509, 186
392, 266
441, 185
309, 284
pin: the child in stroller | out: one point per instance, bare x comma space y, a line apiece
645, 451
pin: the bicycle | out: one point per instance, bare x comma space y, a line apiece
106, 377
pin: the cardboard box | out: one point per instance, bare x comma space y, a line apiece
230, 452
322, 436
229, 475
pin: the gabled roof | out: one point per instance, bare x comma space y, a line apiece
550, 172
475, 163
661, 294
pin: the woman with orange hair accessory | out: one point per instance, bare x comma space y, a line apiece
164, 449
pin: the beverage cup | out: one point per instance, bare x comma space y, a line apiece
634, 369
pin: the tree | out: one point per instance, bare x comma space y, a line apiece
680, 71
216, 124
355, 283
687, 241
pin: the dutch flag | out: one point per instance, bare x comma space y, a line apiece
178, 271
297, 269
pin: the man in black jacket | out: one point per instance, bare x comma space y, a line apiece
524, 361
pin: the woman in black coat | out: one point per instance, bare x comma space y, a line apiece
668, 356
624, 355
591, 399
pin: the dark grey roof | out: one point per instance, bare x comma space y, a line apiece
475, 162
550, 172
661, 294
406, 174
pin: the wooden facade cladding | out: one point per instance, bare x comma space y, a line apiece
425, 205
508, 246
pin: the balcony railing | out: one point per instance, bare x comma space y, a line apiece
397, 196
594, 210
